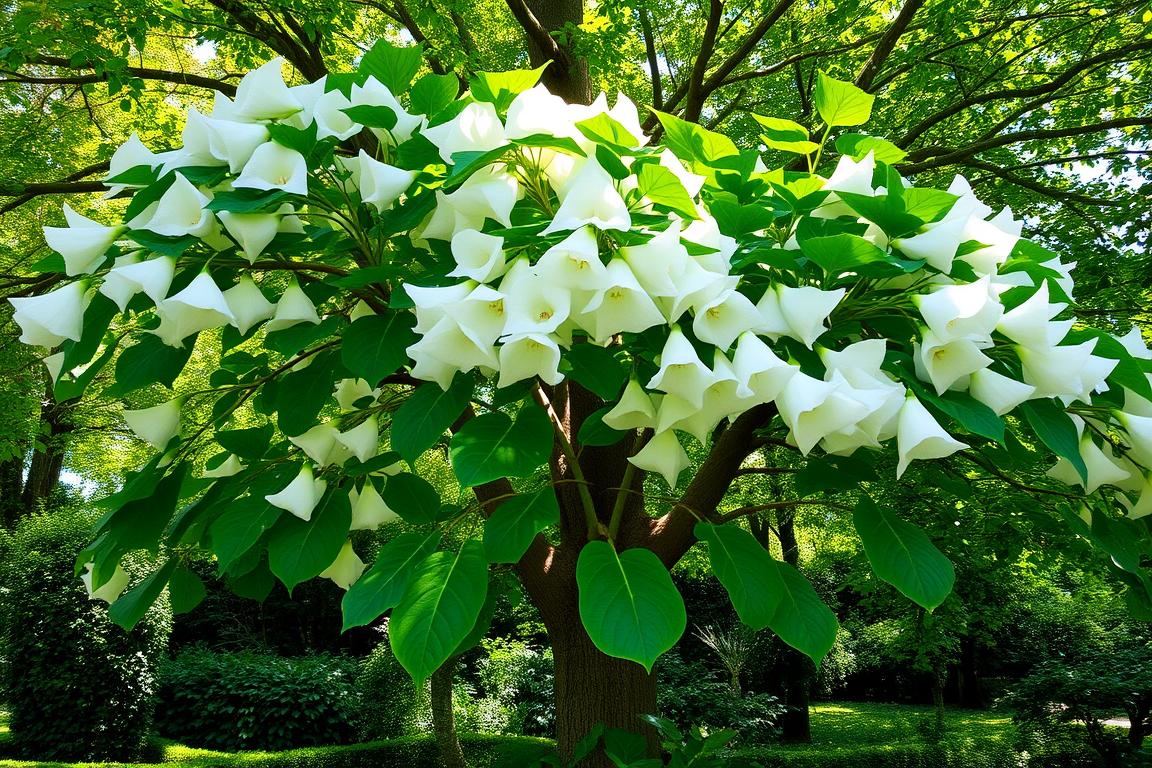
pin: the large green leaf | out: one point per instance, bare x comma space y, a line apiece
1056, 430
691, 142
130, 607
746, 570
511, 528
628, 603
903, 555
300, 395
375, 346
857, 146
439, 608
392, 65
662, 187
837, 254
412, 497
432, 92
802, 620
492, 446
148, 361
598, 369
237, 530
500, 88
382, 585
185, 590
299, 550
786, 135
427, 414
841, 103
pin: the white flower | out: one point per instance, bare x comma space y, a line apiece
621, 305
346, 568
527, 355
349, 391
478, 256
431, 302
369, 511
201, 305
663, 455
210, 141
319, 444
804, 311
227, 468
1104, 468
179, 211
331, 120
1139, 430
946, 363
480, 314
363, 440
130, 276
262, 94
50, 318
936, 244
111, 589
919, 436
724, 318
961, 311
705, 231
590, 197
248, 305
1134, 343
536, 111
813, 409
574, 262
82, 243
1031, 322
657, 262
375, 94
760, 372
156, 425
999, 234
476, 129
127, 156
300, 496
448, 348
55, 365
1055, 371
294, 307
634, 411
692, 182
251, 231
998, 392
681, 370
532, 303
853, 176
273, 166
489, 193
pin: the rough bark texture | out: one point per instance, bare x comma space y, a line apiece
46, 465
443, 721
796, 723
567, 76
11, 490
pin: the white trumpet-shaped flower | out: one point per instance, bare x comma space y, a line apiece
574, 262
762, 375
620, 305
489, 193
723, 319
331, 119
156, 425
262, 94
210, 141
853, 175
813, 409
300, 496
527, 355
432, 302
293, 308
229, 467
920, 436
130, 276
82, 243
947, 363
50, 318
346, 568
248, 305
532, 303
1104, 468
273, 166
201, 305
1134, 343
381, 184
127, 156
480, 314
251, 231
663, 455
537, 111
658, 262
179, 211
1139, 431
109, 590
803, 310
363, 440
478, 256
1031, 323
998, 392
936, 244
350, 391
319, 444
369, 511
590, 198
961, 311
476, 129
450, 345
55, 365
375, 94
681, 370
634, 411
1055, 371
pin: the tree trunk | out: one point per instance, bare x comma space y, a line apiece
968, 676
11, 491
567, 78
46, 465
796, 724
443, 721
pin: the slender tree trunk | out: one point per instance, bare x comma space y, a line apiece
796, 723
46, 465
938, 698
11, 491
968, 676
443, 720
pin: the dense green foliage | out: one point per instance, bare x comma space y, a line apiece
390, 704
235, 701
78, 687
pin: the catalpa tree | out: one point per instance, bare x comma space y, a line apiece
594, 332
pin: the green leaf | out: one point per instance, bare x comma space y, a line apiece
598, 369
243, 524
168, 246
595, 432
661, 186
511, 528
841, 103
802, 620
746, 570
857, 146
301, 394
842, 253
608, 160
968, 412
130, 607
927, 205
1056, 430
492, 446
690, 142
735, 220
299, 550
371, 116
500, 88
439, 609
375, 346
628, 603
249, 444
603, 129
290, 341
427, 414
548, 141
247, 201
903, 555
148, 361
185, 590
392, 65
140, 522
832, 473
381, 586
786, 135
432, 92
137, 175
412, 497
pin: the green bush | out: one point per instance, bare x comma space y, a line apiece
234, 701
691, 694
77, 686
521, 677
390, 704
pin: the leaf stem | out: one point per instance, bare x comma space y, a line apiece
595, 528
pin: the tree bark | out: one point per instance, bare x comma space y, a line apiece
11, 491
567, 76
46, 465
443, 721
796, 724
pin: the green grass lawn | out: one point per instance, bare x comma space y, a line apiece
850, 723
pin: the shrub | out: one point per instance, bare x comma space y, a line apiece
234, 701
690, 694
390, 705
521, 677
78, 687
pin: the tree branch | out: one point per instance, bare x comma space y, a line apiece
1039, 187
144, 73
536, 31
695, 102
653, 59
887, 44
68, 185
